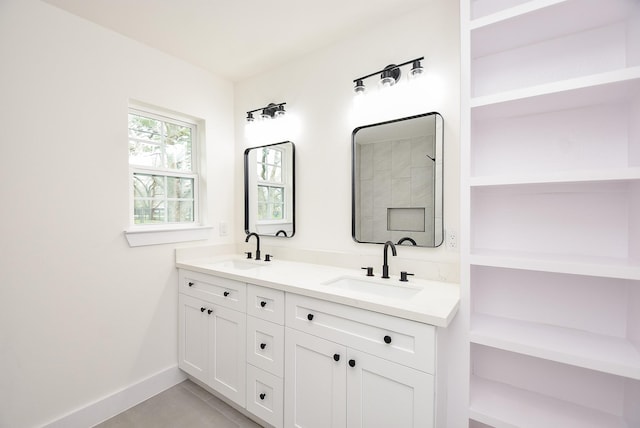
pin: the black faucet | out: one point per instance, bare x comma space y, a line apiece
385, 266
258, 242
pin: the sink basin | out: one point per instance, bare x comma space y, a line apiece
384, 287
238, 264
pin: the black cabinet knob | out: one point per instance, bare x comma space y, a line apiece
387, 339
226, 293
262, 395
310, 317
336, 357
263, 304
202, 309
263, 345
352, 363
209, 311
191, 284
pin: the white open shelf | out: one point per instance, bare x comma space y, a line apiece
579, 176
608, 267
570, 346
568, 226
502, 406
605, 87
538, 20
486, 12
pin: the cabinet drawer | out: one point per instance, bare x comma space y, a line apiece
403, 341
221, 291
265, 303
265, 395
265, 345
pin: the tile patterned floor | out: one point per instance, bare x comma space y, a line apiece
186, 405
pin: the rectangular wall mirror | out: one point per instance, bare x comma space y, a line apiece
397, 181
269, 190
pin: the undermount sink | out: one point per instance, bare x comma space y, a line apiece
238, 264
384, 287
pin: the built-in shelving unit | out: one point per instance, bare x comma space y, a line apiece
551, 206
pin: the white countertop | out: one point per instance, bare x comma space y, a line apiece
434, 302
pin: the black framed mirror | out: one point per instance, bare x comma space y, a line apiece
269, 190
397, 181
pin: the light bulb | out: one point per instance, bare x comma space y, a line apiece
416, 69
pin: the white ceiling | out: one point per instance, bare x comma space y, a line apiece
236, 39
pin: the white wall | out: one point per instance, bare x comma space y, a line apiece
318, 90
82, 315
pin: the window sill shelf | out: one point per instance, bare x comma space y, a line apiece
142, 236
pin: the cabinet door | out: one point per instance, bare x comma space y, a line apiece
315, 383
227, 353
192, 336
383, 394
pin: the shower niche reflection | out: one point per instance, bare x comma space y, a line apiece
397, 181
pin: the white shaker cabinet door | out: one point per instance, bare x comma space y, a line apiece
382, 394
315, 382
227, 353
193, 324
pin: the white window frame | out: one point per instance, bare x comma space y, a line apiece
163, 233
282, 184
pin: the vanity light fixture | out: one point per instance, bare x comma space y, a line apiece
269, 111
389, 75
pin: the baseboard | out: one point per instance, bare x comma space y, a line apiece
101, 410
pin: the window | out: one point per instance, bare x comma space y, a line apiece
163, 172
271, 185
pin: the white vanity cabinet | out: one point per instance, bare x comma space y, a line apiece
290, 360
348, 367
211, 335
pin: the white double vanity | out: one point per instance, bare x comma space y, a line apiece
303, 345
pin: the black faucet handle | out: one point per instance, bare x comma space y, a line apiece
403, 276
369, 270
267, 257
248, 253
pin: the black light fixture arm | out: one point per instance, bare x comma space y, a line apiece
387, 68
270, 106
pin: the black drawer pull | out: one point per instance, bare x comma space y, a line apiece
310, 317
262, 395
209, 311
263, 303
191, 284
202, 309
387, 339
226, 293
336, 357
263, 345
352, 363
